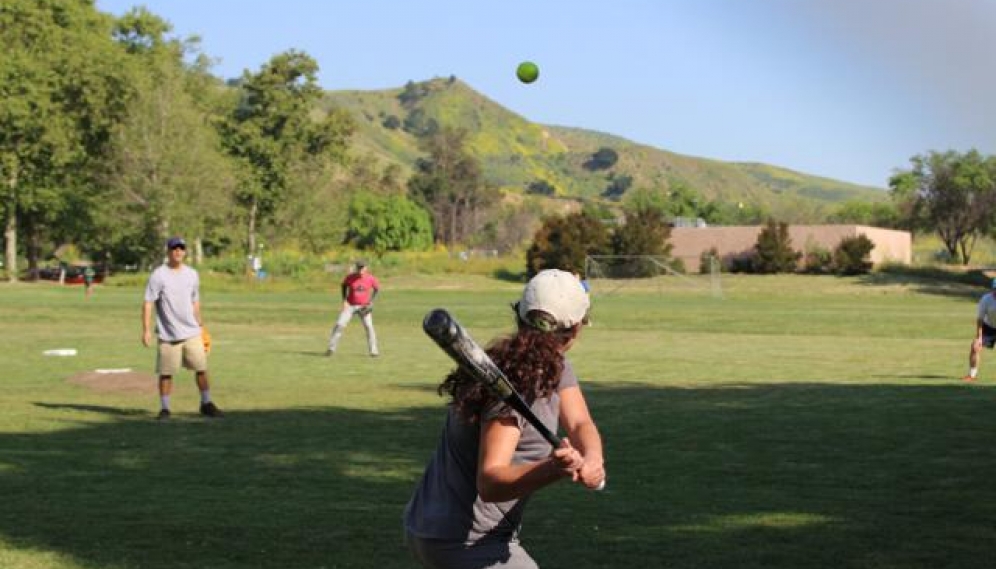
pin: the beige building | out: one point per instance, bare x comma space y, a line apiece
688, 243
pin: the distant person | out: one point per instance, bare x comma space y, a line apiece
174, 290
587, 290
985, 330
88, 276
467, 508
359, 289
584, 282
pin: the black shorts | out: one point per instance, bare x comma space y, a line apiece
988, 336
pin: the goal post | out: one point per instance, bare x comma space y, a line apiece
608, 274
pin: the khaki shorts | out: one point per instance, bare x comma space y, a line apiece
189, 352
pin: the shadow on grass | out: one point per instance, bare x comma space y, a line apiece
969, 284
911, 376
733, 476
510, 276
102, 409
309, 353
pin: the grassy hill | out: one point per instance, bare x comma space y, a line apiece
515, 153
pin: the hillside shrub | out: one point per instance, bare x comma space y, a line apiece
542, 188
817, 260
851, 256
413, 93
773, 251
706, 260
603, 159
418, 123
740, 263
617, 187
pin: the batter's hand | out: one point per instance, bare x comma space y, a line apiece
567, 459
591, 474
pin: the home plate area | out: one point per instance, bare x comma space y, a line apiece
116, 380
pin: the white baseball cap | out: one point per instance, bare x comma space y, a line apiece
557, 293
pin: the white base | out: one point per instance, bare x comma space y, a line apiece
60, 352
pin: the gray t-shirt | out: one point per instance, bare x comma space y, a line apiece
174, 292
446, 504
987, 309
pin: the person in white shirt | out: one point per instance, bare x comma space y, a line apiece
173, 294
985, 331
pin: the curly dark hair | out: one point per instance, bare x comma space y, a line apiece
531, 359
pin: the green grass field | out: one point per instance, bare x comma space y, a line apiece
798, 422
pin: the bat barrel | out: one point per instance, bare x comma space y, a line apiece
439, 325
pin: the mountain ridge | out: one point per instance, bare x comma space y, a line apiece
519, 155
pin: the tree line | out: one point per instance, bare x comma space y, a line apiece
114, 135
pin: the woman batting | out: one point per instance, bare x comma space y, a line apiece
467, 509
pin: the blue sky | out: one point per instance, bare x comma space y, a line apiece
847, 89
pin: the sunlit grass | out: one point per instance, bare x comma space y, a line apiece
772, 520
798, 422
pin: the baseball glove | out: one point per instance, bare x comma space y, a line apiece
206, 338
365, 310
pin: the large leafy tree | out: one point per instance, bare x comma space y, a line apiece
167, 173
450, 185
951, 193
865, 213
563, 242
719, 212
316, 210
63, 87
644, 233
678, 200
276, 131
388, 223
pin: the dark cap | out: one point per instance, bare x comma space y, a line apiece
361, 264
175, 242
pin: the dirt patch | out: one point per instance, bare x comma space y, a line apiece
116, 381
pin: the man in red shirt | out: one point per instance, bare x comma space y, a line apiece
359, 289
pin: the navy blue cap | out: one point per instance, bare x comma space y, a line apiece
175, 242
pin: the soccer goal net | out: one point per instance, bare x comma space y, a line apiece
608, 274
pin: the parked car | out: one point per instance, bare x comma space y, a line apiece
74, 273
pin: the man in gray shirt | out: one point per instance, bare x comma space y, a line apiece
173, 289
